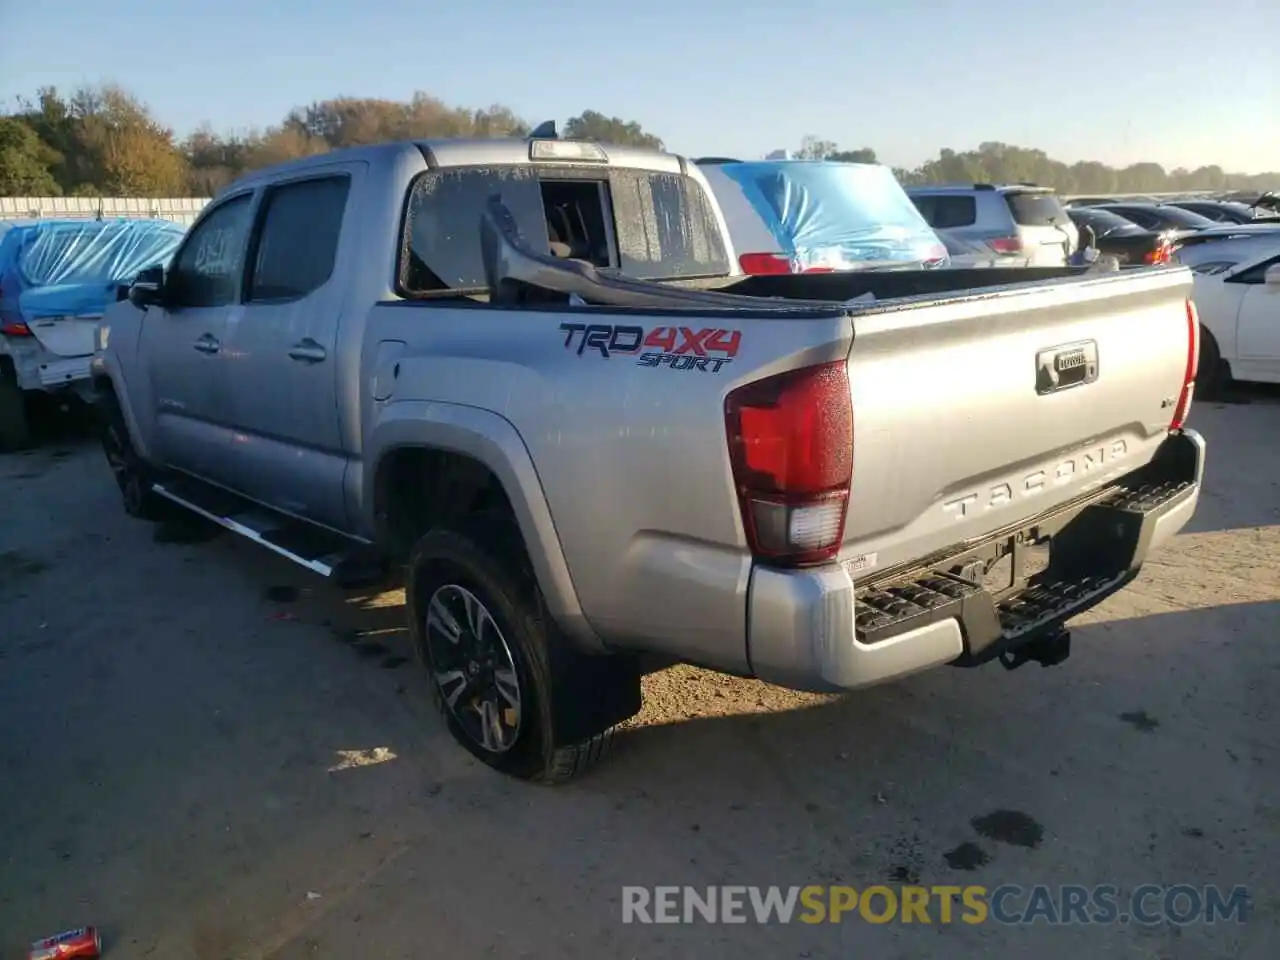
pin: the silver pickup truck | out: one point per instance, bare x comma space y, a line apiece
524, 373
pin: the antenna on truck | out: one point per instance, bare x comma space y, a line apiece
544, 131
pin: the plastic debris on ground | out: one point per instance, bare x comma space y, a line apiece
83, 942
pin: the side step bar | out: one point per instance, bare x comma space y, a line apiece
319, 551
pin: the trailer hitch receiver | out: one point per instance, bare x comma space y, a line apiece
1048, 651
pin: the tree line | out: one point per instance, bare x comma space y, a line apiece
995, 162
104, 141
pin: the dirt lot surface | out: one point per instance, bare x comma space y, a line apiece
213, 756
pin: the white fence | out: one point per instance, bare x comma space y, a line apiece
178, 209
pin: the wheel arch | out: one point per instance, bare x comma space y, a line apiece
464, 459
108, 385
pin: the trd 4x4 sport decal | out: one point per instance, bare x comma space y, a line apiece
679, 348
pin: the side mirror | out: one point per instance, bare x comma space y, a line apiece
1271, 277
147, 289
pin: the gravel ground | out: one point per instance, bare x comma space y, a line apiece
212, 756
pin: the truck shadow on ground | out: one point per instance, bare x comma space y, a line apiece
883, 758
1154, 722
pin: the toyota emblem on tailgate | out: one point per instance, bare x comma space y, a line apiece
1066, 365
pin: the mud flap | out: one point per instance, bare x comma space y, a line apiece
596, 692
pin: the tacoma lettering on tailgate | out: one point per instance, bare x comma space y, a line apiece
1000, 494
679, 348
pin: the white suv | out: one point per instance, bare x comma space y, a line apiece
1021, 225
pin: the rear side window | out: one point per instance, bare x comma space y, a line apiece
1105, 223
944, 211
1035, 209
297, 241
1139, 216
1178, 217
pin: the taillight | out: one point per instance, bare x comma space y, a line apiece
1006, 245
758, 264
14, 328
765, 264
1189, 375
791, 447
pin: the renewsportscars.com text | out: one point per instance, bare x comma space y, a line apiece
1008, 904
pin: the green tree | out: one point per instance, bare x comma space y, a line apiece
815, 148
108, 143
26, 162
590, 125
861, 155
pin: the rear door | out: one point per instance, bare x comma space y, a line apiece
1048, 235
286, 445
184, 343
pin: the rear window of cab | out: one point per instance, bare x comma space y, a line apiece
644, 224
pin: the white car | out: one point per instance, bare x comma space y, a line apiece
1239, 307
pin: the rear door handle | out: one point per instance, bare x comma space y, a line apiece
208, 344
307, 351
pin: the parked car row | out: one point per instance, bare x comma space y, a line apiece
1233, 249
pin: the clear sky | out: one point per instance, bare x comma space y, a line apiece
1180, 82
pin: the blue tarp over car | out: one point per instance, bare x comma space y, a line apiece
841, 216
73, 267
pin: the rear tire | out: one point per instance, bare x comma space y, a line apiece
132, 474
512, 689
1213, 376
15, 424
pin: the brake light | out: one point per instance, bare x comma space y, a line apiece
1189, 375
764, 264
791, 449
1006, 245
14, 328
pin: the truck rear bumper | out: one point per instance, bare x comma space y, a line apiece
822, 630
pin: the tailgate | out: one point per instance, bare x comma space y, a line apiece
960, 429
